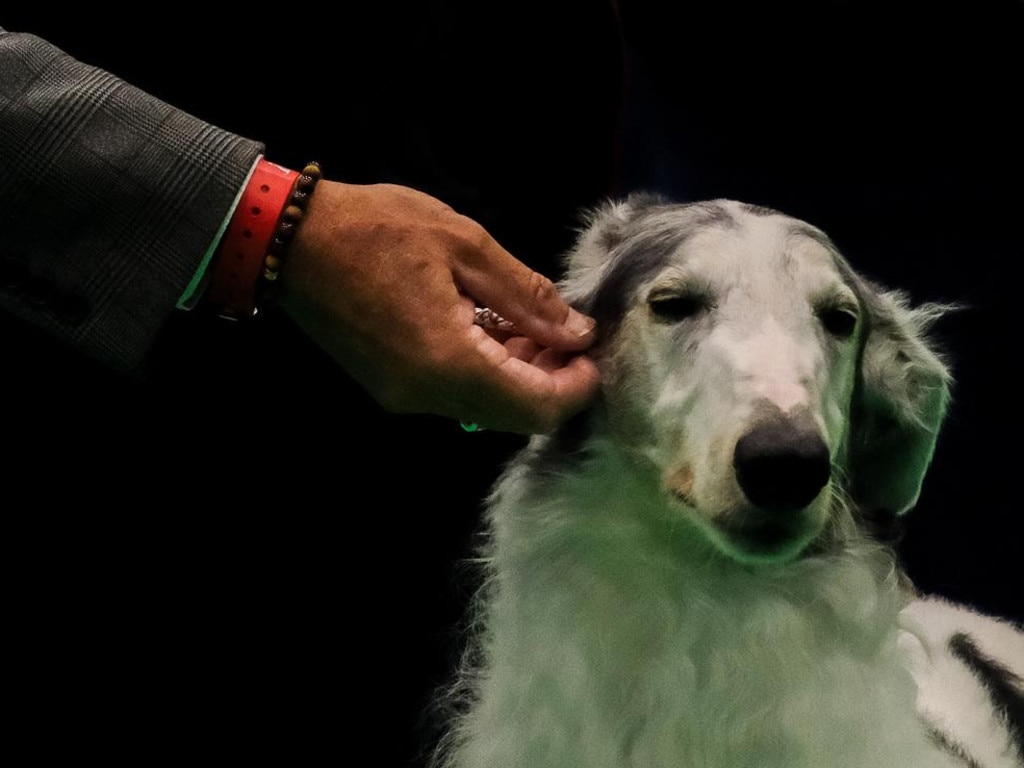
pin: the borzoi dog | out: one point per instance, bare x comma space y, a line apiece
684, 575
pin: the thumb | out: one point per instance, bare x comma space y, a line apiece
496, 279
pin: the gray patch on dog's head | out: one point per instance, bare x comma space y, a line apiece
797, 227
635, 241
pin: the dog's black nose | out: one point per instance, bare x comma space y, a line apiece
782, 463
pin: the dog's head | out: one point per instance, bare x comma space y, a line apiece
762, 378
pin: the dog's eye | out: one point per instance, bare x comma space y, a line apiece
673, 308
838, 321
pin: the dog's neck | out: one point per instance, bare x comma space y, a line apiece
599, 512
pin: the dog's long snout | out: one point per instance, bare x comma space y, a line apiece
782, 462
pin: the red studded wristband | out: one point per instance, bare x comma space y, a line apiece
239, 265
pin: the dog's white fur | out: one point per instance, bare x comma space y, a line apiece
627, 618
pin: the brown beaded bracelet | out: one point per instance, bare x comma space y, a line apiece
288, 223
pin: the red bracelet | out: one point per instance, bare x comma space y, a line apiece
239, 265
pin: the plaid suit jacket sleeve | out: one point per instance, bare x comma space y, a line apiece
109, 199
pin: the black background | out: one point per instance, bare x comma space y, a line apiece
242, 555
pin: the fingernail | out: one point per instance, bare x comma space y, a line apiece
578, 325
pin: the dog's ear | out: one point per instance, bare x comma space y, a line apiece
900, 402
602, 229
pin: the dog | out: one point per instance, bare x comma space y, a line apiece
686, 574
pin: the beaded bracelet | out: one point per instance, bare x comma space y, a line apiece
290, 219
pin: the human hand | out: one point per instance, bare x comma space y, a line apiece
386, 280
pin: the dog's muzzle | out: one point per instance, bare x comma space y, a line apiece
782, 462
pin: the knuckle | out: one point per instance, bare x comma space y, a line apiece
473, 237
541, 289
463, 237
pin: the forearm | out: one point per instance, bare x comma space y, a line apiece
109, 197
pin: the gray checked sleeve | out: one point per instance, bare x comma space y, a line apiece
109, 199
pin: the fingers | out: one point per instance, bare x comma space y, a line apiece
496, 279
533, 381
528, 388
386, 279
571, 387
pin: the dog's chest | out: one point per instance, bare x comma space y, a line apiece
571, 690
602, 654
